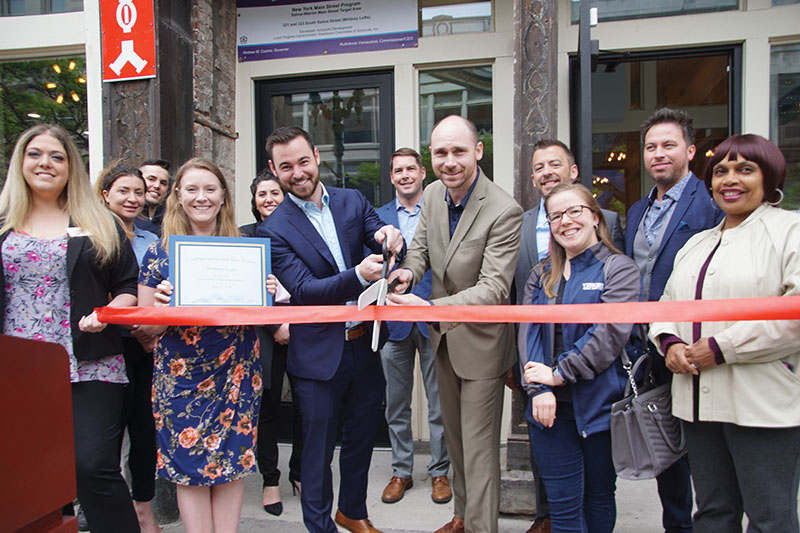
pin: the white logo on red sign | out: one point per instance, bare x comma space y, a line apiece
126, 19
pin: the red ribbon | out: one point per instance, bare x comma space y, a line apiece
769, 308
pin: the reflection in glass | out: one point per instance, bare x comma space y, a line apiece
785, 115
38, 7
345, 126
42, 90
626, 93
456, 17
635, 9
463, 91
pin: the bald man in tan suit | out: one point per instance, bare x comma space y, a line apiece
469, 237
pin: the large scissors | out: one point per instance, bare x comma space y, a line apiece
376, 293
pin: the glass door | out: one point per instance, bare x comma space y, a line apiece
350, 119
628, 87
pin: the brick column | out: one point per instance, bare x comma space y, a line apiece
535, 103
214, 82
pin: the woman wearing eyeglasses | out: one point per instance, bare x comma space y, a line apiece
572, 372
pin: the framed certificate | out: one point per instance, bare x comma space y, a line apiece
221, 271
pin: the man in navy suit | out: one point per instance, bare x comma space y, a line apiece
405, 339
658, 226
318, 235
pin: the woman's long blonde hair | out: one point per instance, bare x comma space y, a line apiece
558, 255
175, 220
77, 198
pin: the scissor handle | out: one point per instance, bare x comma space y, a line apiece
387, 254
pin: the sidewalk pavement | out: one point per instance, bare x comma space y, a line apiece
638, 507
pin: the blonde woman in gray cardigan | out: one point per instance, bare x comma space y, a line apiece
737, 384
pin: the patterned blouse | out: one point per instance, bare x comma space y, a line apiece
38, 305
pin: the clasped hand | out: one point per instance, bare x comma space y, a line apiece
684, 359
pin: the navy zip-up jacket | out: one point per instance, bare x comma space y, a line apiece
590, 363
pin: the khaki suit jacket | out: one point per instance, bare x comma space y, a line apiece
475, 267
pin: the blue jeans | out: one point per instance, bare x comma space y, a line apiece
578, 474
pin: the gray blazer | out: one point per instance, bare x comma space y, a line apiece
529, 255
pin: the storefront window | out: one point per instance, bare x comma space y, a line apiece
38, 7
784, 2
633, 9
463, 91
625, 93
785, 115
49, 90
447, 18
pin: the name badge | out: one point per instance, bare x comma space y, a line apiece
596, 286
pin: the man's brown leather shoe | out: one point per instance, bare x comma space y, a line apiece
396, 488
440, 490
356, 526
456, 525
540, 525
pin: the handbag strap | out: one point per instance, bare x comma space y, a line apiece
631, 368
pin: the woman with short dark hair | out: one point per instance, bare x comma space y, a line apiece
737, 384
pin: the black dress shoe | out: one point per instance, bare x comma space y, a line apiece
275, 509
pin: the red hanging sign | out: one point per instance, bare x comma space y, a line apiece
129, 39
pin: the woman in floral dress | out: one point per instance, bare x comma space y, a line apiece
207, 380
62, 256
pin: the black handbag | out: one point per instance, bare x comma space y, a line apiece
645, 438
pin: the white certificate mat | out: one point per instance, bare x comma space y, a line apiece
223, 271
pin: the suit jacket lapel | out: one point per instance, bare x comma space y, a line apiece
528, 247
392, 217
306, 229
473, 207
338, 212
680, 209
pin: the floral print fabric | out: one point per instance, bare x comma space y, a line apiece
206, 395
38, 304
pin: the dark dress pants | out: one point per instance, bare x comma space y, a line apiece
674, 483
352, 397
268, 423
103, 493
751, 470
138, 419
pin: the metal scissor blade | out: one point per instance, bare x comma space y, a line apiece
369, 296
375, 293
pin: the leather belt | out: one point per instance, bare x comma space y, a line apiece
355, 332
